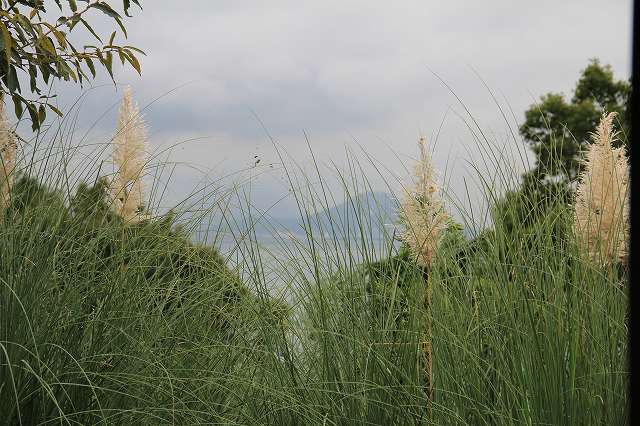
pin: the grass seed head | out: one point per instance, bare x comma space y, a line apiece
422, 211
601, 211
8, 151
129, 156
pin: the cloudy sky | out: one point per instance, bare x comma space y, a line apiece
361, 75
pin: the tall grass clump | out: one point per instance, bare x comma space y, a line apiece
525, 330
368, 312
522, 329
108, 321
362, 306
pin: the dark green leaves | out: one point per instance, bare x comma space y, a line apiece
556, 128
105, 8
17, 103
133, 61
35, 118
42, 50
7, 41
108, 10
56, 110
11, 80
126, 5
90, 65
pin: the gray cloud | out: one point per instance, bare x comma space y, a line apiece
341, 70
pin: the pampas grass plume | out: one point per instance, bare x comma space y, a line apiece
8, 151
129, 157
422, 211
601, 211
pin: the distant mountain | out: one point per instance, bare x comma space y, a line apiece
370, 211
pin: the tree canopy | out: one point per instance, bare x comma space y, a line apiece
34, 44
557, 129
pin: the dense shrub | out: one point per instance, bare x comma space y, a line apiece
101, 319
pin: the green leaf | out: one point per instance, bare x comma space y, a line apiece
17, 105
106, 9
81, 74
42, 113
46, 72
33, 113
133, 61
33, 73
56, 110
86, 24
108, 64
68, 72
7, 40
73, 22
12, 80
47, 44
126, 4
24, 22
73, 5
135, 49
60, 36
121, 25
90, 65
122, 56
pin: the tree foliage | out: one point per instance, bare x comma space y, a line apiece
557, 129
42, 49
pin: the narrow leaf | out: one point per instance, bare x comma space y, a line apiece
56, 110
91, 67
134, 62
17, 105
7, 40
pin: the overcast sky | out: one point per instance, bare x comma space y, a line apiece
356, 74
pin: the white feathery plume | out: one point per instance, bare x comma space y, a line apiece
601, 211
129, 157
422, 211
8, 151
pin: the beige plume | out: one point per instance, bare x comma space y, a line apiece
8, 151
422, 211
601, 215
129, 157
